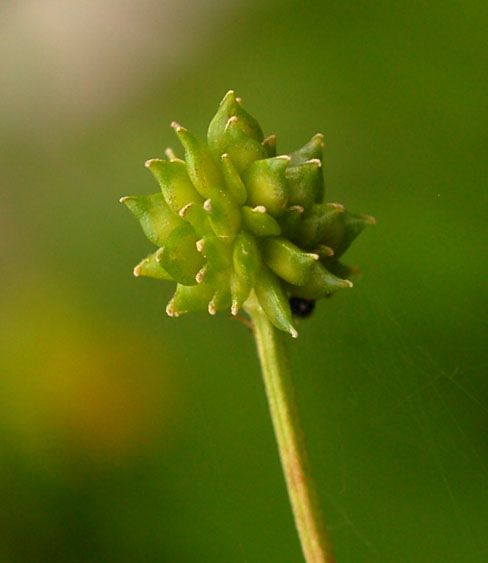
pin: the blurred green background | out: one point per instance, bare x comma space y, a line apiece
129, 436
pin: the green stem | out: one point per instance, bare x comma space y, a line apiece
301, 487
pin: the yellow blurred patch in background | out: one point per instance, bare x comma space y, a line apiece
78, 382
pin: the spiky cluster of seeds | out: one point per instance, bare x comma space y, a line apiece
235, 218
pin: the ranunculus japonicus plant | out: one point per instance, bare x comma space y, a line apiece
239, 226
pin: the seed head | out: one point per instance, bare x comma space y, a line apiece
234, 218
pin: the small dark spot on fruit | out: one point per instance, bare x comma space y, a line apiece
301, 307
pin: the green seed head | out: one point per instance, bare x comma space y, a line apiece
234, 218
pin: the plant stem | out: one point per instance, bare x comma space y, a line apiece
301, 487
